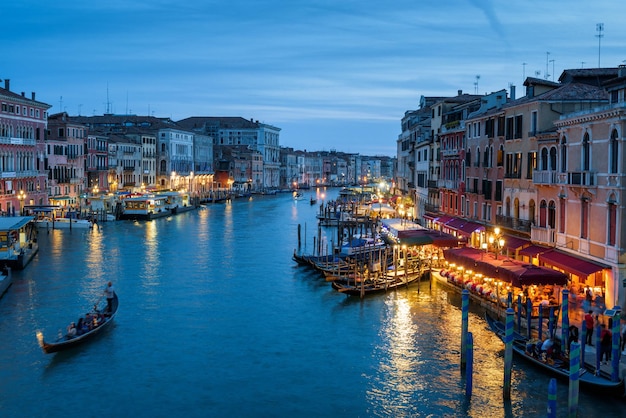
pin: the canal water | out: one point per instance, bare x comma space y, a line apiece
217, 320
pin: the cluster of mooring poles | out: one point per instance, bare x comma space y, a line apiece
576, 350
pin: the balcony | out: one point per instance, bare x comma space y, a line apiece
543, 235
432, 184
429, 207
450, 152
7, 140
448, 184
545, 177
578, 178
509, 222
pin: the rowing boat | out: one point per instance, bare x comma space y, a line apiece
65, 342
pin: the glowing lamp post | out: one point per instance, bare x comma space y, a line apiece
496, 241
21, 196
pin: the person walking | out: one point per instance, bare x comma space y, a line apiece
109, 292
589, 326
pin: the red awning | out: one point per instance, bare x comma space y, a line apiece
571, 264
464, 227
513, 243
429, 216
503, 268
443, 219
533, 250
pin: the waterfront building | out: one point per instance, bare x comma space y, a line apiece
174, 157
543, 173
23, 123
417, 138
484, 160
587, 189
448, 158
66, 142
124, 163
97, 163
288, 168
259, 136
148, 160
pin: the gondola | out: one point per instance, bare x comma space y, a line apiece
375, 286
559, 367
66, 342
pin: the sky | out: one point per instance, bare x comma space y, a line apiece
332, 75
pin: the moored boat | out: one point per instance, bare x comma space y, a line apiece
590, 379
145, 207
360, 287
18, 241
63, 223
100, 319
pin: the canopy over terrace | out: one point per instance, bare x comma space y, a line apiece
402, 232
511, 271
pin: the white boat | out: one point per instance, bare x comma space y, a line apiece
178, 202
63, 223
145, 207
55, 217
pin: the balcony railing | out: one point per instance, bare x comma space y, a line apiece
7, 140
579, 178
547, 177
543, 235
432, 184
509, 222
448, 184
429, 207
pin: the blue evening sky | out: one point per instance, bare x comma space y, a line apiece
333, 74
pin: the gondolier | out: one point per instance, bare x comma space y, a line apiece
109, 293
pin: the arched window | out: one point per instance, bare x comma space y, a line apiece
552, 159
563, 154
532, 211
486, 162
562, 206
586, 153
584, 217
500, 156
478, 157
543, 206
552, 214
544, 158
613, 153
468, 158
612, 220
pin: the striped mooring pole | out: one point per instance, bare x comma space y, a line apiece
508, 353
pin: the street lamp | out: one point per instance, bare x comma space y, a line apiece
21, 196
496, 241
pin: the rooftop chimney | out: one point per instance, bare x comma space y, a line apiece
621, 70
460, 92
23, 94
7, 84
512, 88
32, 95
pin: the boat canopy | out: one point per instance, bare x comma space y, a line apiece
12, 223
